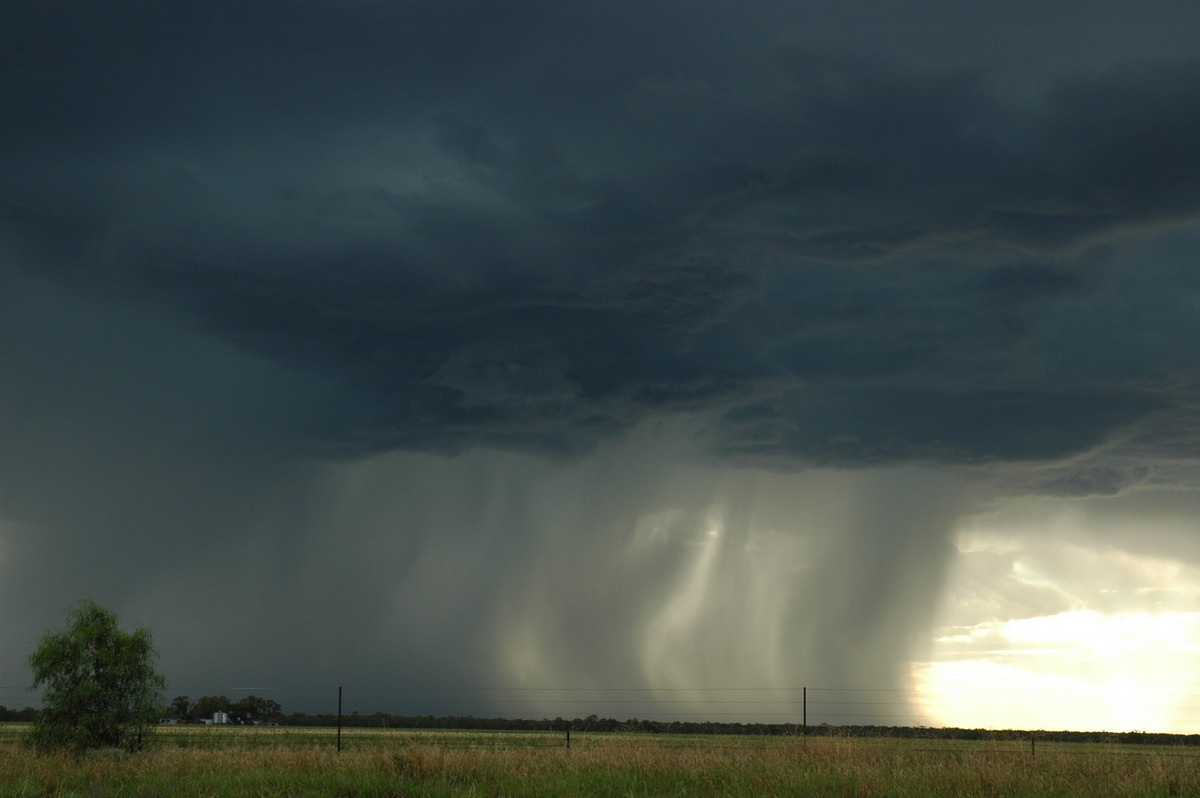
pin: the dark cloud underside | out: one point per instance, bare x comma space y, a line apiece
489, 252
241, 240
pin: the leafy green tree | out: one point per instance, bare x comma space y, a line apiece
210, 705
253, 709
100, 686
180, 708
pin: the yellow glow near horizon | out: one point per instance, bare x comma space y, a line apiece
1076, 670
1039, 629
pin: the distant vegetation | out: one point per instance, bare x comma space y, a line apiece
256, 710
25, 715
593, 723
249, 710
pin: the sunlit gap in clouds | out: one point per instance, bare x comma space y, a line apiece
1055, 616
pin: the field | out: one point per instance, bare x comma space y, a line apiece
209, 761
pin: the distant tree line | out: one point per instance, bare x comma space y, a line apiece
254, 709
25, 715
250, 710
593, 723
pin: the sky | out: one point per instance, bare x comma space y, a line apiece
611, 358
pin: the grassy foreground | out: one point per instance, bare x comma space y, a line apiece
273, 762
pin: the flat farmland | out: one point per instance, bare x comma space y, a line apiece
282, 761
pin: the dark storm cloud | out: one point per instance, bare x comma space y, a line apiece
237, 239
536, 228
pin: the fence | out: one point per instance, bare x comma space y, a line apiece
606, 709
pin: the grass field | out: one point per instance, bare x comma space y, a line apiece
199, 761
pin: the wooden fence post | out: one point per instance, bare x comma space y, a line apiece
804, 715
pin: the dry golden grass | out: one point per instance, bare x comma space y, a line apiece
395, 763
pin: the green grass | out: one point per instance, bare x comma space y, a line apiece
279, 761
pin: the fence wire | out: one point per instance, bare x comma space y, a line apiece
587, 709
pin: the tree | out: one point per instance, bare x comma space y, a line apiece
100, 686
210, 705
180, 708
253, 709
